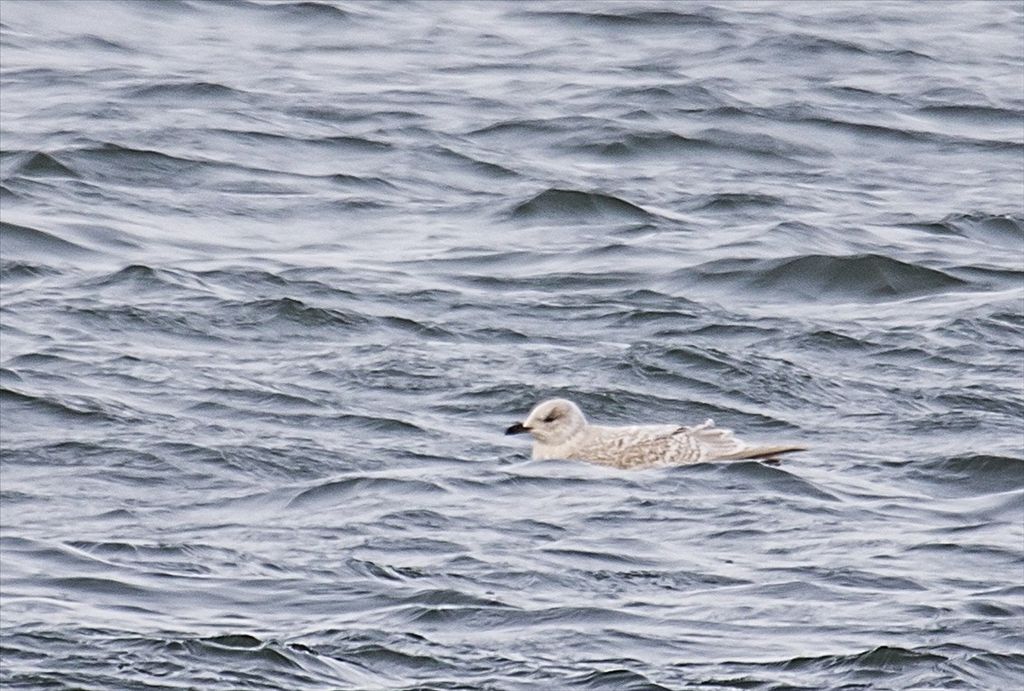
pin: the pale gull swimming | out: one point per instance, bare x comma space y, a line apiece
560, 430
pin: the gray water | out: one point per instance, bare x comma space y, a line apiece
276, 276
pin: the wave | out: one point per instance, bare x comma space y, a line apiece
290, 310
336, 142
881, 661
278, 402
870, 277
663, 20
974, 474
534, 127
309, 11
795, 46
36, 164
556, 282
143, 167
338, 491
89, 42
977, 113
559, 204
78, 409
486, 168
1002, 229
290, 664
756, 144
780, 480
27, 243
174, 90
615, 680
710, 143
205, 316
142, 278
736, 201
88, 586
904, 134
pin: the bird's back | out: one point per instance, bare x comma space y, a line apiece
645, 446
638, 446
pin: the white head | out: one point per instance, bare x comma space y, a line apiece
552, 422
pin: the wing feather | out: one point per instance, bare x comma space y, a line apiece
663, 445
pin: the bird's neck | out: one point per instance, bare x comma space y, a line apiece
561, 449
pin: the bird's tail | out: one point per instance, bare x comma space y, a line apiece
761, 452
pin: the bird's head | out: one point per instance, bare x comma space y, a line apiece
552, 422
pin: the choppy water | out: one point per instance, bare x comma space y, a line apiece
275, 276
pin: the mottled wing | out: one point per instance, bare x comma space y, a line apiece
651, 446
643, 446
717, 443
713, 442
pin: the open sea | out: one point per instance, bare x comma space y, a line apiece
276, 275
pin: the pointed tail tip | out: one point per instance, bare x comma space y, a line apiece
764, 452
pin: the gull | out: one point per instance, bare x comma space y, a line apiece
560, 430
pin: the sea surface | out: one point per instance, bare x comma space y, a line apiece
276, 276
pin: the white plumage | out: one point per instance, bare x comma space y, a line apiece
560, 430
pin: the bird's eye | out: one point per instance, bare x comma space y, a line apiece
551, 417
